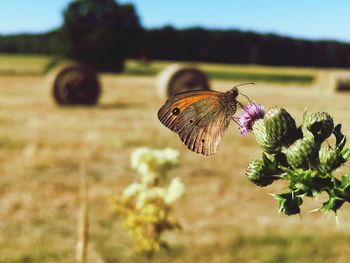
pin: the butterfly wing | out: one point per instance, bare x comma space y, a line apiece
175, 105
200, 122
202, 125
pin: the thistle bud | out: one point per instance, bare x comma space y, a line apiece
330, 159
277, 129
320, 124
303, 153
281, 126
268, 144
259, 174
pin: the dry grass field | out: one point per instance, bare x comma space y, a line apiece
225, 218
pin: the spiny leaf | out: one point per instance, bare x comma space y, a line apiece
345, 153
339, 136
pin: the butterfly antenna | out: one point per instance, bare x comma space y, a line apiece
246, 83
242, 84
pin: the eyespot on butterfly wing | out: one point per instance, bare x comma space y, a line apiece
175, 105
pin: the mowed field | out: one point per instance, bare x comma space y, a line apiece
224, 217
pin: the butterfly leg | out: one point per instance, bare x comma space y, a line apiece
247, 83
235, 119
250, 101
240, 104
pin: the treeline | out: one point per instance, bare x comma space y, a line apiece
197, 44
243, 47
30, 44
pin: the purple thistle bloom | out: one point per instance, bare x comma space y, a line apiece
248, 116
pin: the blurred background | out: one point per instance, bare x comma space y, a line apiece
81, 83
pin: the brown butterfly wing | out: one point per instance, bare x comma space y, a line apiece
199, 119
174, 106
202, 125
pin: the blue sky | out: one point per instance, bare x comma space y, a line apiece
311, 19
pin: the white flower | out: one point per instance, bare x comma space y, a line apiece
171, 155
175, 190
150, 178
133, 189
149, 194
138, 156
153, 164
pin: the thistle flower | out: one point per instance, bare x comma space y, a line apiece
298, 156
248, 116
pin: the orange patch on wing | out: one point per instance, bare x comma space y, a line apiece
179, 103
183, 103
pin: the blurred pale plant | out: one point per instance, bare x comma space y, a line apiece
152, 164
302, 156
146, 206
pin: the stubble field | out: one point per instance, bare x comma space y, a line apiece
224, 217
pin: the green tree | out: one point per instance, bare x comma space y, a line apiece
100, 33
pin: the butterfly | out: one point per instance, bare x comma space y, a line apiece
200, 118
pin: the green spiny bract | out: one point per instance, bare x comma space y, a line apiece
281, 126
267, 143
303, 153
320, 124
262, 172
296, 155
330, 159
275, 131
333, 204
308, 182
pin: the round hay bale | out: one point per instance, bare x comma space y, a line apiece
72, 83
177, 78
334, 81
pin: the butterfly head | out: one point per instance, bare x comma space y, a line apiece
234, 92
230, 101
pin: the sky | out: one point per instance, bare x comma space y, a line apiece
310, 19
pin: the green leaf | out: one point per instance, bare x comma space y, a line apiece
345, 181
339, 136
341, 144
271, 165
345, 153
288, 202
281, 159
333, 204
